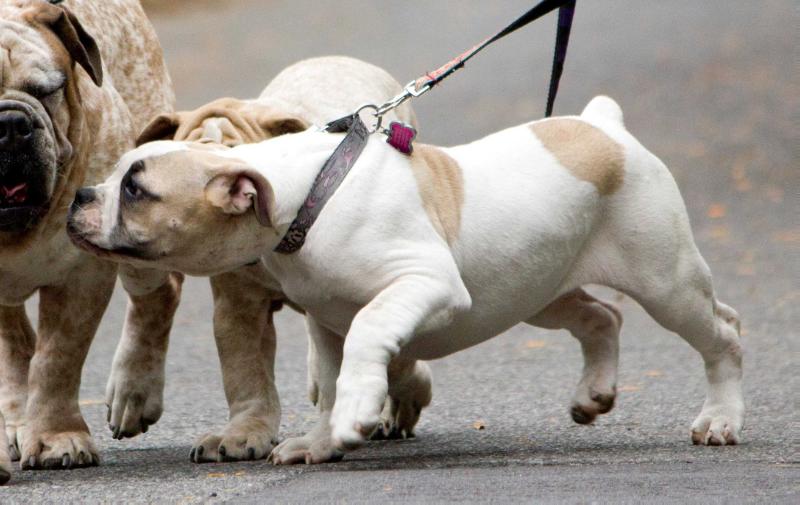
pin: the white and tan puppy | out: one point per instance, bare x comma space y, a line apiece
77, 81
310, 92
418, 257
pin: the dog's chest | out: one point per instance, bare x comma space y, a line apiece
40, 264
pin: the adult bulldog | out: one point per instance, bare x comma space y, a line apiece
78, 80
310, 92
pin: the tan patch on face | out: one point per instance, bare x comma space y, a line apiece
441, 187
584, 150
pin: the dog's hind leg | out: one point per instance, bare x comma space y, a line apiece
17, 342
596, 325
684, 302
410, 391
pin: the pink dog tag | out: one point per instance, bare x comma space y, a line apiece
401, 136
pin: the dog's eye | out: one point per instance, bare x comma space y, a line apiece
43, 91
132, 190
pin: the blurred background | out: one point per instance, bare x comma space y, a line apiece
711, 87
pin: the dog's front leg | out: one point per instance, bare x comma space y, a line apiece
245, 337
54, 434
5, 460
415, 303
317, 446
17, 343
135, 388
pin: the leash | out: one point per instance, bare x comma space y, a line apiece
425, 83
400, 135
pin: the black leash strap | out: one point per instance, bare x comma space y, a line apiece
567, 9
565, 15
328, 180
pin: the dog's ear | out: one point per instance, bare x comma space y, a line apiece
79, 44
275, 125
238, 190
163, 127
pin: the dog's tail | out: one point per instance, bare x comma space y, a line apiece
603, 108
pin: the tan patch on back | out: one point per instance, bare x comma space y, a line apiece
441, 187
587, 152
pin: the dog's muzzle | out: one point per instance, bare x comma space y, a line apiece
23, 195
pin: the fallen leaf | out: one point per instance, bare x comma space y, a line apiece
787, 236
387, 488
654, 373
717, 210
720, 232
535, 344
215, 475
629, 388
86, 403
479, 425
774, 194
745, 270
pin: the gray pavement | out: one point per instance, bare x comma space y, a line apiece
711, 87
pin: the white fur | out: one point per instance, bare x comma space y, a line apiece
374, 269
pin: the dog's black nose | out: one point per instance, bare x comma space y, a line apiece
16, 130
84, 196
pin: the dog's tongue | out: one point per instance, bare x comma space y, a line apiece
14, 194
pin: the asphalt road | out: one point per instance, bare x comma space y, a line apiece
711, 87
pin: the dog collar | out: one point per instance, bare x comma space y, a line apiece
328, 180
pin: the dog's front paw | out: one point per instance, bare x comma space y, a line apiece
357, 410
309, 449
57, 450
243, 438
134, 397
5, 459
718, 425
12, 443
314, 447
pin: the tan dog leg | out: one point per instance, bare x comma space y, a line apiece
17, 342
5, 460
596, 325
135, 389
410, 391
245, 339
55, 434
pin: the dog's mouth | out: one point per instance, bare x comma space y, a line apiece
83, 242
21, 206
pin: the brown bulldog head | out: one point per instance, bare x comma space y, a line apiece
41, 115
226, 121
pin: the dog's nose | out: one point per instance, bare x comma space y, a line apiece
84, 196
16, 130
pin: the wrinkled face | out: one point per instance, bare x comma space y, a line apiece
226, 121
175, 206
40, 113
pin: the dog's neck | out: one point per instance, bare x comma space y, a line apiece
290, 163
